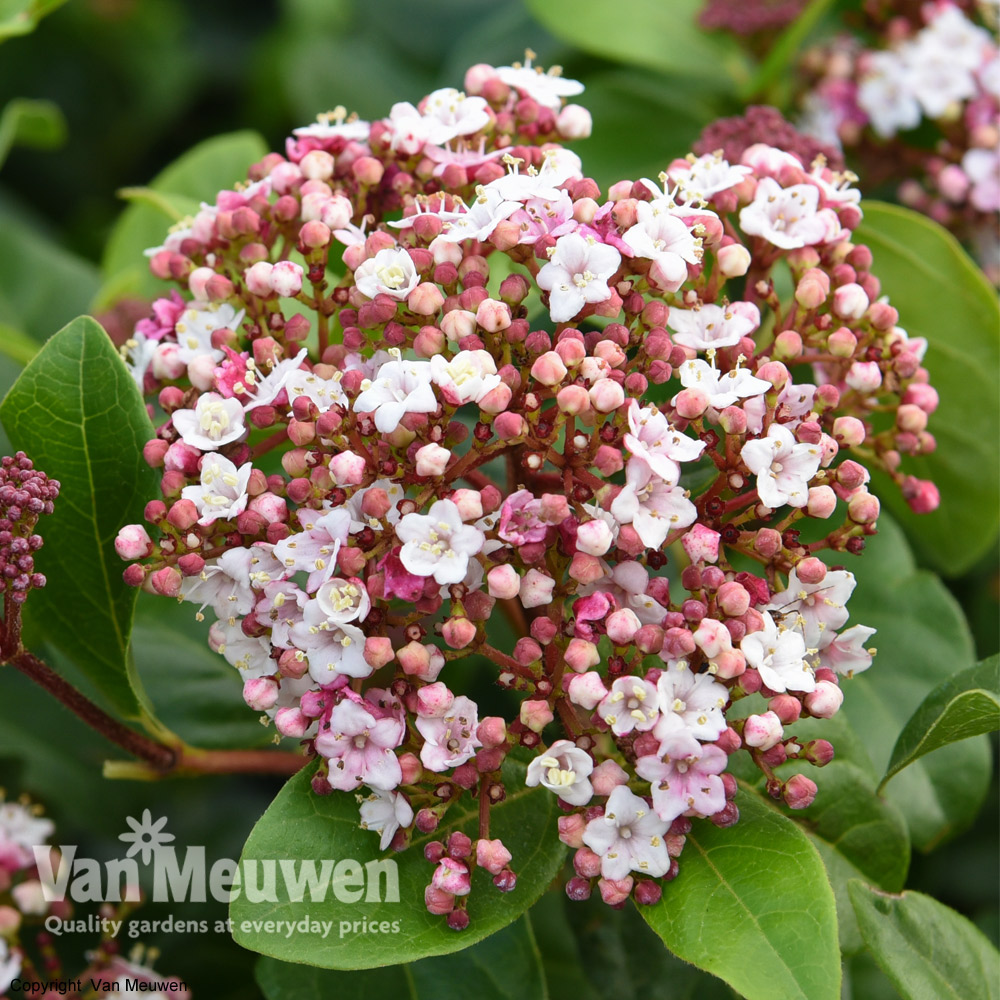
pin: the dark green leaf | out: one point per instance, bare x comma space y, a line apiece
42, 286
922, 640
943, 296
39, 124
929, 951
967, 705
78, 414
302, 826
506, 966
752, 905
195, 177
664, 37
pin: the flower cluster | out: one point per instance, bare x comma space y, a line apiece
25, 494
24, 832
938, 71
422, 372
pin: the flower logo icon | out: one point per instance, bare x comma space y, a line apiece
146, 837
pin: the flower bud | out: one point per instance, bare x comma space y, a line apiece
133, 542
825, 700
799, 792
762, 731
607, 776
734, 260
865, 376
536, 715
571, 830
548, 369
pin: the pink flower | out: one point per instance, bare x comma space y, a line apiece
450, 739
686, 779
359, 748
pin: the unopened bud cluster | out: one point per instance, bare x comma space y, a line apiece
26, 494
422, 372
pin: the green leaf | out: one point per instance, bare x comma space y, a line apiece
664, 37
197, 176
965, 706
929, 951
778, 62
753, 906
506, 966
77, 413
21, 17
39, 124
943, 296
42, 286
302, 826
922, 640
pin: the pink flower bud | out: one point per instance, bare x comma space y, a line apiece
378, 651
458, 632
414, 658
865, 376
536, 589
272, 508
622, 626
458, 324
607, 776
536, 715
425, 300
317, 165
734, 260
922, 395
183, 514
492, 855
729, 663
585, 689
548, 369
493, 316
291, 722
594, 537
762, 731
822, 502
438, 901
768, 542
573, 399
799, 792
452, 876
712, 637
497, 399
911, 419
863, 507
701, 544
581, 655
691, 403
849, 431
133, 542
286, 278
850, 301
258, 279
812, 289
434, 700
347, 469
616, 891
825, 700
609, 460
503, 582
260, 693
574, 122
842, 343
431, 460
733, 598
571, 830
921, 494
509, 426
678, 643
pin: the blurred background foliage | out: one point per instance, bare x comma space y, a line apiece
105, 93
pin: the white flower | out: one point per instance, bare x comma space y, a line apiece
689, 701
455, 114
438, 544
314, 550
706, 175
268, 387
564, 769
778, 655
331, 125
783, 467
722, 389
847, 654
651, 505
558, 166
21, 827
343, 601
486, 212
886, 94
628, 837
333, 649
466, 378
788, 217
820, 608
663, 238
547, 89
400, 387
630, 704
213, 422
577, 274
227, 582
656, 443
137, 353
250, 655
223, 490
196, 325
385, 812
713, 326
390, 272
938, 77
323, 392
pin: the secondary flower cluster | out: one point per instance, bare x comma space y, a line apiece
938, 71
25, 494
24, 907
425, 374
